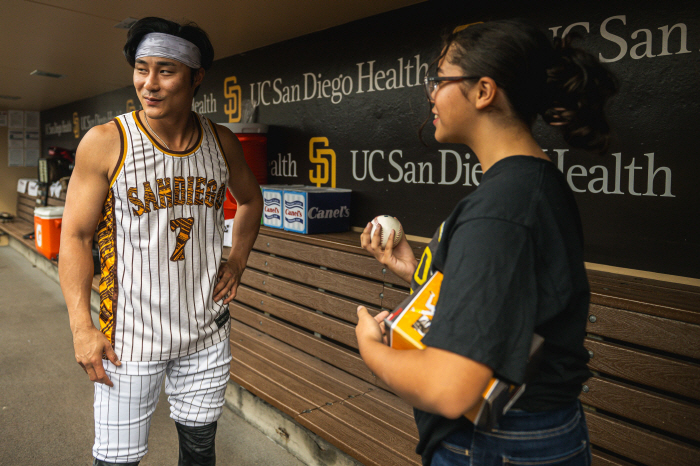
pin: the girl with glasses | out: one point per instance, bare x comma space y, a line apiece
511, 254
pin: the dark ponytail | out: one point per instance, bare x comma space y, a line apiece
566, 85
579, 86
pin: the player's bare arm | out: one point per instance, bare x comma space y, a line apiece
432, 380
96, 159
246, 190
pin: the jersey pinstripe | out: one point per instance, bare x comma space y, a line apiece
161, 238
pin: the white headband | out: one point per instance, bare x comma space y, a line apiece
157, 44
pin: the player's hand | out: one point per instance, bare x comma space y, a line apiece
89, 344
399, 259
229, 278
370, 328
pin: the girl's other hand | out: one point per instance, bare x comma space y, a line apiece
370, 328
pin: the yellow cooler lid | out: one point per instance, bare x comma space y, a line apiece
49, 212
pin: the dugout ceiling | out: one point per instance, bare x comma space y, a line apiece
344, 105
77, 38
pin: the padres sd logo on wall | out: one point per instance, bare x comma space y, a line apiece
130, 107
325, 172
76, 125
232, 92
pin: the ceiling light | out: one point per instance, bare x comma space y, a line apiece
126, 24
10, 97
47, 74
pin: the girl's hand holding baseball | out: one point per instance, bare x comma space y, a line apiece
399, 259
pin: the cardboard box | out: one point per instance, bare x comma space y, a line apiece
316, 210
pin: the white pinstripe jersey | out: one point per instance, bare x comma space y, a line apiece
161, 238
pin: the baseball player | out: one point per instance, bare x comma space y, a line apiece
153, 183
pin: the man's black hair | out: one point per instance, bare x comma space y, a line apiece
189, 31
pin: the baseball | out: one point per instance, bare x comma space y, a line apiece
388, 223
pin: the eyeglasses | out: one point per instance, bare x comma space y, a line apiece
431, 83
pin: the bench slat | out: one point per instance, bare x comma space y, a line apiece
637, 366
346, 285
655, 410
324, 350
399, 420
24, 201
25, 213
312, 298
647, 290
347, 439
386, 398
26, 218
371, 427
55, 202
638, 444
339, 260
27, 196
649, 294
348, 241
634, 304
603, 459
393, 297
326, 326
655, 332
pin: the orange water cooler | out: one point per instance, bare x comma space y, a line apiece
47, 230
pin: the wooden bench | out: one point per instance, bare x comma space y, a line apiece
644, 399
293, 344
23, 222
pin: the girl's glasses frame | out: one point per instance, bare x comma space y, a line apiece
431, 83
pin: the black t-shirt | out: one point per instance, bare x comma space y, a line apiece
512, 257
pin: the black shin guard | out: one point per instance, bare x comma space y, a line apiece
197, 445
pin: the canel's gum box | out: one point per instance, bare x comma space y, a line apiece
272, 204
310, 210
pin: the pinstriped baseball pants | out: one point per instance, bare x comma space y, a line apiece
195, 385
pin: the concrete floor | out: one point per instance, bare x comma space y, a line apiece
46, 398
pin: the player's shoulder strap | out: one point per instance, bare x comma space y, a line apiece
121, 123
215, 133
